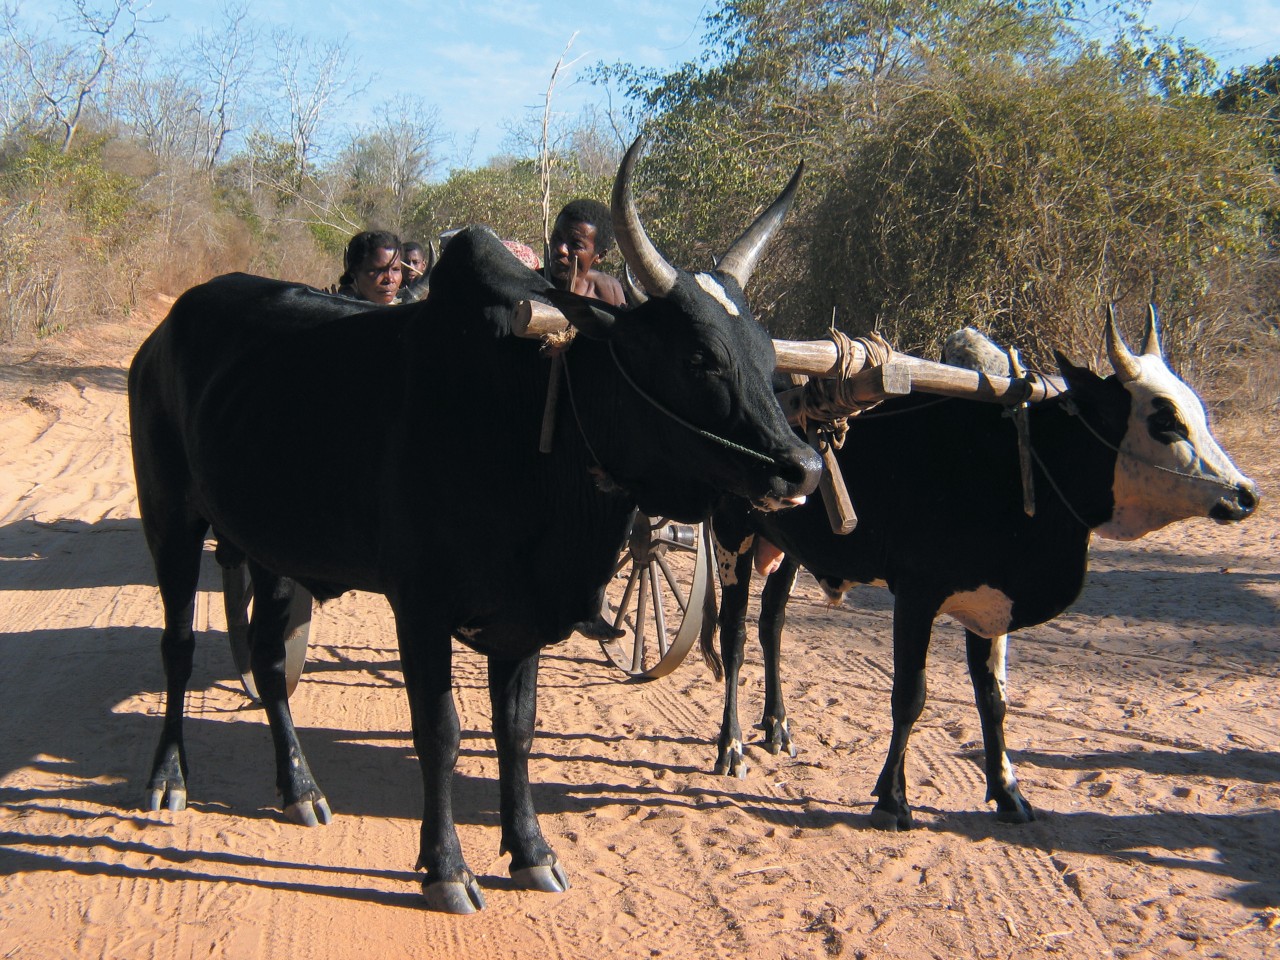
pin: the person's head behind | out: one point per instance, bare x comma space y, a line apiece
414, 258
583, 234
371, 265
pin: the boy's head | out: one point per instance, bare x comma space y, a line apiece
595, 214
583, 234
414, 258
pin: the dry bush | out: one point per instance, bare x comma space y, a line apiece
90, 234
1023, 203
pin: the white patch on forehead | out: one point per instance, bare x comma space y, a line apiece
986, 611
713, 287
727, 560
1158, 483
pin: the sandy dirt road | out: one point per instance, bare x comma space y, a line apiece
1145, 728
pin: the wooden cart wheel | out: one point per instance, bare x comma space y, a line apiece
662, 595
237, 595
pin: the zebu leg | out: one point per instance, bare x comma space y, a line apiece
735, 583
912, 625
773, 616
513, 694
426, 657
176, 543
987, 672
300, 796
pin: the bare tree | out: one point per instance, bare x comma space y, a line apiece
162, 109
596, 142
546, 153
400, 150
222, 63
65, 76
317, 85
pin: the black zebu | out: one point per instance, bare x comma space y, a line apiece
937, 489
395, 450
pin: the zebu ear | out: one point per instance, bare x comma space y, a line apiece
1151, 339
1075, 376
590, 317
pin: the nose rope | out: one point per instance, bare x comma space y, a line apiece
1058, 490
672, 415
1070, 407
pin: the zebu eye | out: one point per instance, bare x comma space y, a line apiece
1164, 424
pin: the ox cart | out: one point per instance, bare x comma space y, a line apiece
662, 595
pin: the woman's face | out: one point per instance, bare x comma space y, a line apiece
378, 278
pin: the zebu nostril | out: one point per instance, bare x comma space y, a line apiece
1248, 497
1236, 508
804, 471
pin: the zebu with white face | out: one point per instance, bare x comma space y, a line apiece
1169, 466
941, 523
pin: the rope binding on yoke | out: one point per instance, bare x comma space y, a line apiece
828, 402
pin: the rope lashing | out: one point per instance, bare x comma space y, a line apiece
828, 402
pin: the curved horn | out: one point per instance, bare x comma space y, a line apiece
1151, 339
635, 293
740, 259
654, 273
1124, 362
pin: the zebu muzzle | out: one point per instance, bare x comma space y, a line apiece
1235, 508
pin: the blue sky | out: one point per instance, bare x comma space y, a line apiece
1234, 32
485, 64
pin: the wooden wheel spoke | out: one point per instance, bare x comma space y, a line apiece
661, 591
625, 603
659, 615
637, 651
677, 590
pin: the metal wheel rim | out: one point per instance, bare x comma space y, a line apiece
651, 648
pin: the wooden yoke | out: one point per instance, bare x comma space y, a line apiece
860, 385
821, 358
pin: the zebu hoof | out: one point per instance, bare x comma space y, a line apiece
1023, 813
778, 738
547, 879
599, 629
891, 822
453, 896
177, 799
732, 762
309, 813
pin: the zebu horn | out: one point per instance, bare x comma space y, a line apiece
654, 273
1122, 360
1151, 339
740, 259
